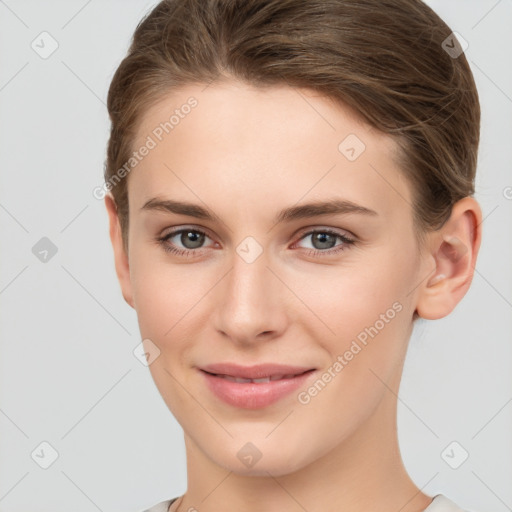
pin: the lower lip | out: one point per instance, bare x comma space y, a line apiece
253, 395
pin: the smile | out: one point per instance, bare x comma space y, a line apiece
254, 393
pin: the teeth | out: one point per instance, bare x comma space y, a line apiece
279, 377
262, 380
234, 379
239, 379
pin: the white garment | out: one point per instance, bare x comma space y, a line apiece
440, 503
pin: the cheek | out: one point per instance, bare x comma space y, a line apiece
371, 323
168, 297
167, 300
364, 310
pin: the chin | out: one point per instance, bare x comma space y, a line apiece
277, 462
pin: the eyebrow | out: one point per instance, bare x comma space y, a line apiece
312, 209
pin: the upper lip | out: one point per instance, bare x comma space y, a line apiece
258, 371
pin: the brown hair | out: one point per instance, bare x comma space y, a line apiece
387, 59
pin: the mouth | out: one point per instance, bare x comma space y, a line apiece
254, 387
260, 380
272, 371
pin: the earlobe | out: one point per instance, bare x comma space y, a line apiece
453, 250
120, 257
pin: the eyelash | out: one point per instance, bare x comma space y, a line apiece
347, 242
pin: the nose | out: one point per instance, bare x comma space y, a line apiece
250, 302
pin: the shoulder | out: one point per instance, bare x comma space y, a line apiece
163, 506
441, 503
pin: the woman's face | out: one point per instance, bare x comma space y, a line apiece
329, 288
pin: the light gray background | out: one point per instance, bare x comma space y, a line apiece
68, 374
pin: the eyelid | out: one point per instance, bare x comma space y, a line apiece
300, 234
176, 229
346, 237
165, 236
169, 233
335, 231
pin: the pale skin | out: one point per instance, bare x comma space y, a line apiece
245, 154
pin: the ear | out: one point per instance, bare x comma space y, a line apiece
120, 256
453, 250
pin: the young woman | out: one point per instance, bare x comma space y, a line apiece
290, 188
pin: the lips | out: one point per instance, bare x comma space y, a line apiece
270, 371
240, 380
254, 387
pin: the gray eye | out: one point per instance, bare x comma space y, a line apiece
323, 240
192, 239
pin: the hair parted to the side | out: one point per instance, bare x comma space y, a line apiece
383, 58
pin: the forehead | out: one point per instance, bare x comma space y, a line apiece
263, 144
